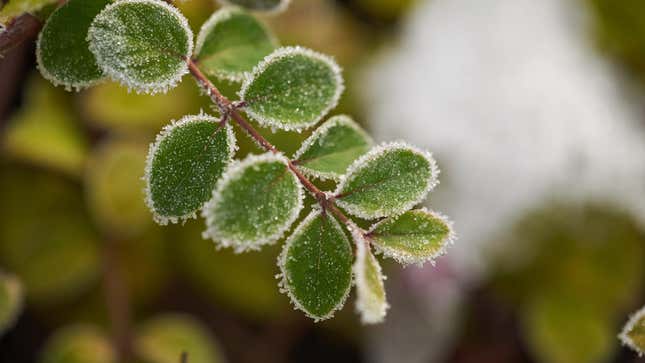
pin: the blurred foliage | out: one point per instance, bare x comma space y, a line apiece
14, 8
78, 344
10, 301
572, 274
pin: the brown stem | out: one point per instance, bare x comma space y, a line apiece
184, 357
116, 295
19, 30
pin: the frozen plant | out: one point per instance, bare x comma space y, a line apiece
147, 46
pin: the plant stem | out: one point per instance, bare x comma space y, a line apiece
22, 28
227, 107
117, 303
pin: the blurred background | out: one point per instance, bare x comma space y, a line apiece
534, 110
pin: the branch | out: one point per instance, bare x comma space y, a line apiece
116, 295
21, 29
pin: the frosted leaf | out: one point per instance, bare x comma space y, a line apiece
416, 236
184, 164
633, 334
292, 88
332, 148
371, 302
141, 43
268, 6
231, 43
316, 266
62, 49
163, 339
388, 180
254, 203
78, 344
11, 300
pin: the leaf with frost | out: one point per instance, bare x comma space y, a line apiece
371, 302
254, 203
141, 43
162, 340
78, 344
633, 334
332, 148
184, 164
231, 43
388, 180
11, 297
415, 236
269, 6
292, 88
62, 49
316, 265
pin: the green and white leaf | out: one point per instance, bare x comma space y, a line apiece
184, 164
231, 42
388, 180
316, 266
142, 44
292, 88
416, 236
11, 301
633, 334
62, 49
332, 148
254, 203
164, 338
78, 344
266, 6
371, 302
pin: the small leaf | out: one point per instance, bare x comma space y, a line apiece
332, 148
388, 180
370, 291
254, 203
163, 339
415, 236
78, 344
11, 296
62, 49
184, 164
141, 43
292, 88
231, 43
316, 265
633, 334
269, 6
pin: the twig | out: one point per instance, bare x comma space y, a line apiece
21, 29
184, 357
116, 295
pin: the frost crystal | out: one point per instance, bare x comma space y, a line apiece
633, 334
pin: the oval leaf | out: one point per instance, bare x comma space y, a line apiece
270, 6
62, 49
415, 236
78, 344
332, 148
141, 43
184, 164
254, 203
388, 180
371, 303
231, 43
633, 334
10, 301
292, 88
164, 338
316, 265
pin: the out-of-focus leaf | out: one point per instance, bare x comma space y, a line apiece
15, 8
271, 6
45, 131
78, 344
371, 302
10, 301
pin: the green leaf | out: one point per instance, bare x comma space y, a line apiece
633, 334
11, 296
371, 302
415, 236
231, 43
15, 8
163, 339
254, 203
332, 148
388, 180
292, 88
62, 49
269, 6
141, 43
184, 164
78, 344
316, 265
